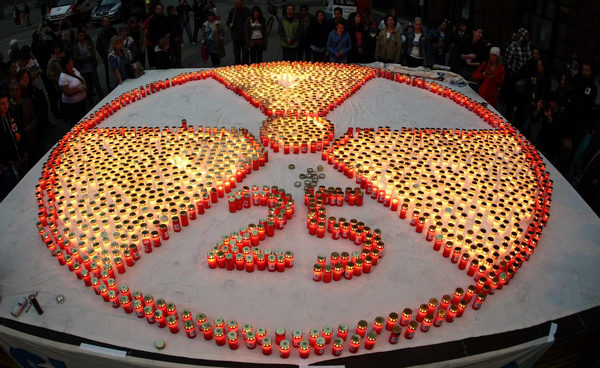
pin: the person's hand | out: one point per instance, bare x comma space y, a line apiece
360, 51
39, 30
548, 115
231, 25
540, 104
472, 56
120, 81
289, 41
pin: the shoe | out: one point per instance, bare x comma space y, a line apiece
182, 44
193, 43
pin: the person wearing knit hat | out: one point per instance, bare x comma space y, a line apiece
491, 74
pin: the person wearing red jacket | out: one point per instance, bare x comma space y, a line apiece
491, 72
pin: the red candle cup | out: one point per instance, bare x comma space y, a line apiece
207, 330
219, 335
354, 343
267, 346
338, 346
406, 316
395, 335
370, 341
409, 333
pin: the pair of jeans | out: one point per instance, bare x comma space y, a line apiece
289, 53
240, 52
188, 30
93, 82
256, 53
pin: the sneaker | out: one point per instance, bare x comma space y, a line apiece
182, 44
193, 43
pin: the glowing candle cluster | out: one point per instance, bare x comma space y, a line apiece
106, 196
240, 249
296, 134
294, 89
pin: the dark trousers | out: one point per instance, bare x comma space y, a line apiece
509, 95
53, 95
289, 53
412, 62
142, 59
93, 82
151, 56
108, 89
197, 28
240, 52
304, 49
256, 53
175, 50
215, 59
318, 56
75, 111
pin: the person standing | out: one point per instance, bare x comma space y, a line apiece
175, 36
14, 160
416, 42
389, 43
117, 60
159, 26
73, 88
53, 71
318, 33
103, 44
135, 31
356, 31
211, 37
236, 21
289, 34
17, 16
37, 97
29, 62
370, 41
492, 75
472, 51
339, 44
338, 16
86, 63
438, 44
183, 12
517, 54
27, 15
24, 107
256, 35
199, 17
305, 20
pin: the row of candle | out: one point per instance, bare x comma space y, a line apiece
294, 89
296, 135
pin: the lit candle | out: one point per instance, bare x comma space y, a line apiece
304, 349
266, 345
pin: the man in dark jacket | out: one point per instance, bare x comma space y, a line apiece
175, 36
159, 26
236, 21
13, 148
199, 17
42, 46
585, 92
103, 43
305, 20
183, 12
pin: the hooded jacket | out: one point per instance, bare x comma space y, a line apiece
518, 53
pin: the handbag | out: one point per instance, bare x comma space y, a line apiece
520, 86
135, 70
204, 53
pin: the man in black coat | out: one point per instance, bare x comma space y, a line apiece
103, 43
158, 27
236, 21
175, 36
199, 17
13, 148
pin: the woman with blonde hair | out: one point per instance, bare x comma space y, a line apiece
117, 60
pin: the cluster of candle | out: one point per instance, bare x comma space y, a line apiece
240, 249
115, 192
481, 197
296, 134
294, 89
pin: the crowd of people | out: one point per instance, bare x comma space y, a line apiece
563, 123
